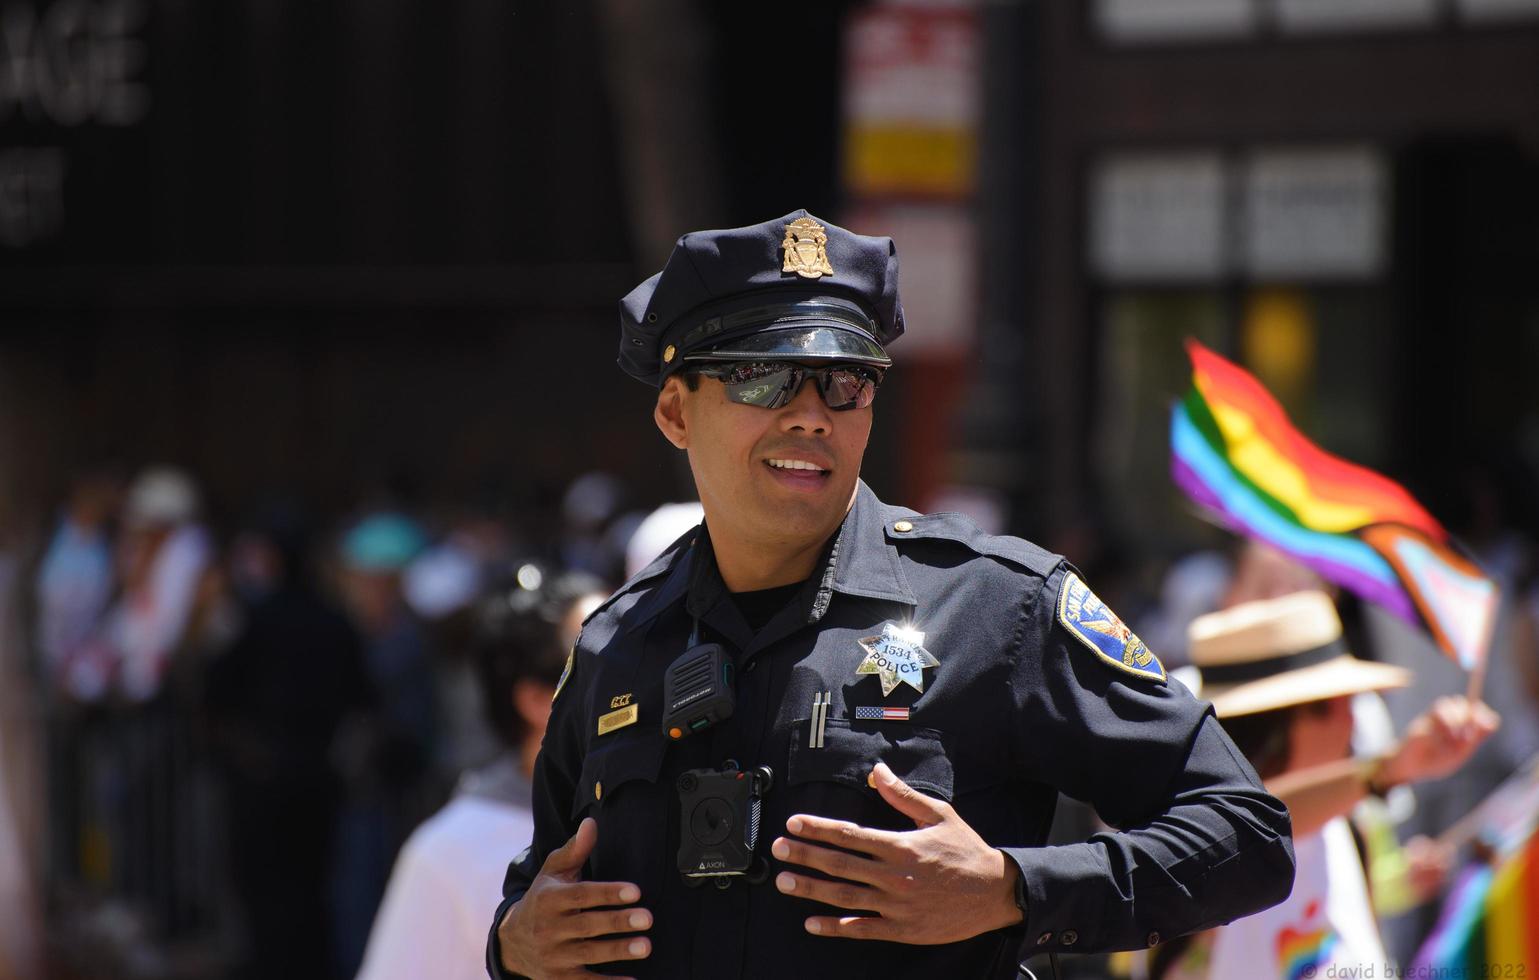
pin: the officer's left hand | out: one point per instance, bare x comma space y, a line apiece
941, 883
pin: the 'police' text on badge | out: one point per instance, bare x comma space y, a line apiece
1096, 626
896, 657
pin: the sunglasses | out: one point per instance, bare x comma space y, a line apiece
773, 384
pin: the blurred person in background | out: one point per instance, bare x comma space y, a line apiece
163, 554
135, 855
1263, 572
72, 588
75, 578
276, 701
594, 527
386, 763
1193, 585
475, 543
1282, 682
433, 919
442, 586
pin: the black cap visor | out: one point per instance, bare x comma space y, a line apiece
809, 343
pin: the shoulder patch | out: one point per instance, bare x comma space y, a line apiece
1094, 624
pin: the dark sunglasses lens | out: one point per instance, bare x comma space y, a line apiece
773, 384
848, 388
762, 383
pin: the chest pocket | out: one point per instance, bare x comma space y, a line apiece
916, 755
613, 768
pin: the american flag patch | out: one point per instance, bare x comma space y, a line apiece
872, 713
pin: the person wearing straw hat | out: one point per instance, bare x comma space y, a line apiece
1282, 683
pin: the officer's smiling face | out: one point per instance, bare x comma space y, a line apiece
769, 478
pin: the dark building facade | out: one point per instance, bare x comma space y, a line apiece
1344, 197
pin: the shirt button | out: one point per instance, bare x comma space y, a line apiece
1068, 937
1154, 939
903, 527
1044, 939
598, 789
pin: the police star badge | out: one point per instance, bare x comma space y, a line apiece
1083, 614
806, 249
896, 657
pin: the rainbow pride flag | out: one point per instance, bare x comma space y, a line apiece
1489, 925
1236, 454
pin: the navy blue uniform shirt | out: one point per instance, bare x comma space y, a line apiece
1018, 709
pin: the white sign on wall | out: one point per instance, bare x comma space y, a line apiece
911, 100
1282, 213
1480, 11
1310, 16
1313, 213
1144, 21
66, 67
1158, 216
935, 243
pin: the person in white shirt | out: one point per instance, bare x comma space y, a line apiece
432, 922
1282, 683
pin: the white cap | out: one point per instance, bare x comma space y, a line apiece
161, 495
662, 527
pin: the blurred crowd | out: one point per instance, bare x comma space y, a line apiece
245, 723
268, 738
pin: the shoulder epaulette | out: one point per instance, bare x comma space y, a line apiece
960, 529
658, 567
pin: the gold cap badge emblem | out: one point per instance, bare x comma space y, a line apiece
806, 249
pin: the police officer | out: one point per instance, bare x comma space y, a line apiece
901, 696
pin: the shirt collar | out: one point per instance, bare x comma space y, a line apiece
864, 562
861, 562
675, 585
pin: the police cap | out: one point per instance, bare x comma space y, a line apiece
795, 288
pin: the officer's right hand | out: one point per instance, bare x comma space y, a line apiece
550, 931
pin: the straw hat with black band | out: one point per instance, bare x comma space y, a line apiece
1276, 653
